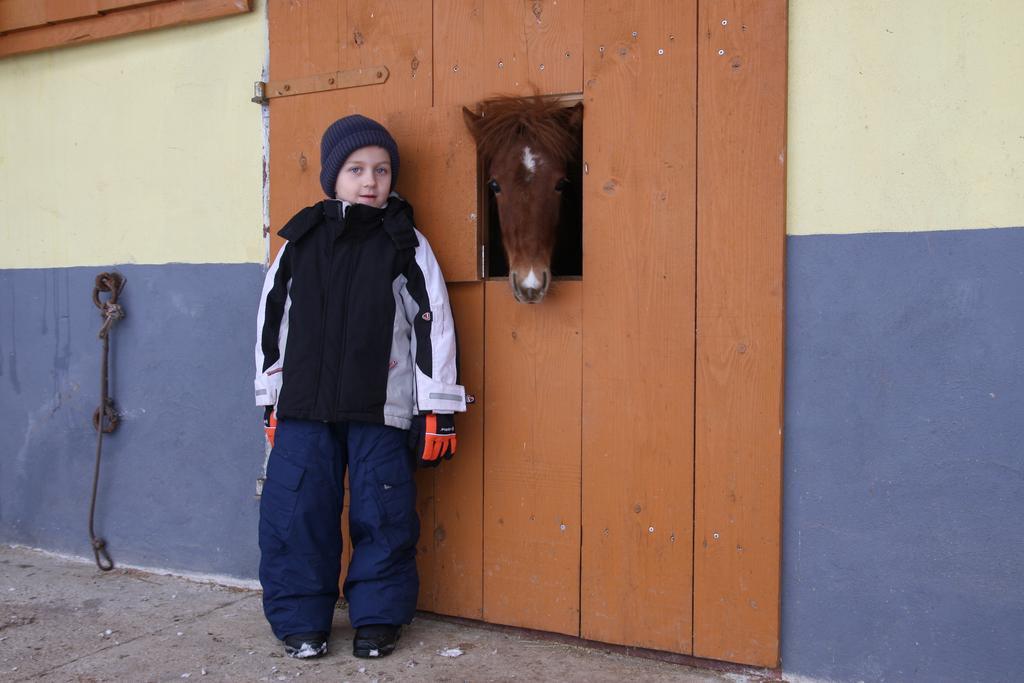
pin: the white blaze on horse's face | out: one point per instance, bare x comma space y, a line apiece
530, 161
528, 206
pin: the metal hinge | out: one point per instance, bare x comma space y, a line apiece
258, 94
264, 91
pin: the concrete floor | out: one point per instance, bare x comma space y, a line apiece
64, 620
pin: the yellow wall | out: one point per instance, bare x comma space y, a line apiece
142, 149
905, 115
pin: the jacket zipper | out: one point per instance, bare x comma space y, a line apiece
325, 284
344, 327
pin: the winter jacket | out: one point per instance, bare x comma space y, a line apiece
354, 322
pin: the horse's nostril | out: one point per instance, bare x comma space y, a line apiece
514, 282
532, 290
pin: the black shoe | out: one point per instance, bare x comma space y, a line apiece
375, 640
306, 645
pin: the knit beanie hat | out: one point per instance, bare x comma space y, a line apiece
345, 136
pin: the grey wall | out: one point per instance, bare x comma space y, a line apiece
177, 479
904, 464
904, 474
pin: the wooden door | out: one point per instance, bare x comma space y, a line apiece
618, 478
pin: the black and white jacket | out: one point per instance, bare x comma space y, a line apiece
354, 322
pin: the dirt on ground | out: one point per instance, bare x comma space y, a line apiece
64, 620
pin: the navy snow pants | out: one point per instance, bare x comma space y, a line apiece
300, 535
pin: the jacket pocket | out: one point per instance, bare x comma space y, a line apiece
280, 493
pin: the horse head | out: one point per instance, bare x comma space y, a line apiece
525, 145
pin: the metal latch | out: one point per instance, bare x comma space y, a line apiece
263, 92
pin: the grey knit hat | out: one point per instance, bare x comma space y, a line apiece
345, 136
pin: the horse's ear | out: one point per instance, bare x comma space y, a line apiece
574, 116
471, 120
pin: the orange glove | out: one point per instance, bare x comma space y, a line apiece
432, 437
270, 424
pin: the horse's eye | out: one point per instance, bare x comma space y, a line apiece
561, 184
493, 184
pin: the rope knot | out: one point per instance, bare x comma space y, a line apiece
110, 313
110, 310
113, 311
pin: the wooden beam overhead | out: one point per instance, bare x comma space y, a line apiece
31, 26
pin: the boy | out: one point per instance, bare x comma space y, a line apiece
356, 349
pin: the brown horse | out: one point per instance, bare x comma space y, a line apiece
527, 146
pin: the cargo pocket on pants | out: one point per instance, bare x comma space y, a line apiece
280, 493
395, 493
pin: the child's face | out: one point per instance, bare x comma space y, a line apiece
365, 177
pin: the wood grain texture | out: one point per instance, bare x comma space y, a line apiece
532, 459
398, 34
459, 51
514, 47
554, 45
306, 38
100, 27
457, 533
438, 177
65, 10
538, 45
741, 218
20, 14
110, 5
638, 317
426, 558
296, 124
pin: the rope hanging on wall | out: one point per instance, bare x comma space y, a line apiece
104, 419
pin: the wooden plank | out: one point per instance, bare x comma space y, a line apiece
511, 48
21, 14
296, 124
438, 177
457, 533
532, 459
741, 218
306, 38
532, 46
554, 39
638, 316
504, 51
397, 34
458, 52
111, 5
133, 20
426, 558
65, 10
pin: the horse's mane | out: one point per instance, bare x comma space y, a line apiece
541, 122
